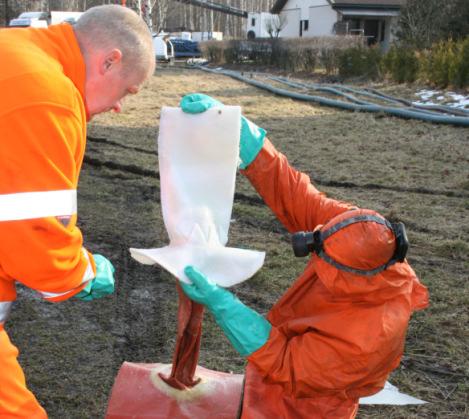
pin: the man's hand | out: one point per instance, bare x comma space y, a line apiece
252, 137
246, 329
202, 290
198, 103
103, 282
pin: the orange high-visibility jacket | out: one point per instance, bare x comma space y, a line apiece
42, 143
335, 337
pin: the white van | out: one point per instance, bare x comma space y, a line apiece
68, 17
164, 50
34, 19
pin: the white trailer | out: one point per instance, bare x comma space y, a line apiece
262, 25
164, 50
207, 36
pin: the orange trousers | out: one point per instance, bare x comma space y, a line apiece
16, 401
263, 400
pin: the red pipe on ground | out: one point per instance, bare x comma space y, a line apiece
182, 390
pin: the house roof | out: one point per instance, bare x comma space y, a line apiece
378, 4
278, 6
338, 4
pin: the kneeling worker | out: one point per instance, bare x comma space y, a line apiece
340, 329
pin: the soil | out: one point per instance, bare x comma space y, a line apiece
411, 171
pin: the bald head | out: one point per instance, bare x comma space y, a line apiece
108, 27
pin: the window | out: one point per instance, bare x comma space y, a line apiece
354, 27
305, 25
253, 21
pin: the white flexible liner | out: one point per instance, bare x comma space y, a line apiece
198, 157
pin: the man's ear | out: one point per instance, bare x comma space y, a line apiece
111, 59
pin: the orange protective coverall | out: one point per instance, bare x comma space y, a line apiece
335, 336
42, 143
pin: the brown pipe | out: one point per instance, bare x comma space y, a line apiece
186, 352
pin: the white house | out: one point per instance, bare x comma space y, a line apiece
375, 19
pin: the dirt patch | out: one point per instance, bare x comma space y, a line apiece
408, 170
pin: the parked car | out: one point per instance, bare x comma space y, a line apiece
185, 48
36, 19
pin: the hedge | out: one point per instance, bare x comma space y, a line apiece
446, 63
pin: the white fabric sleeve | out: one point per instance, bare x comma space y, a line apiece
198, 157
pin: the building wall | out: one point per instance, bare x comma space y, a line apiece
305, 5
262, 20
322, 17
292, 26
394, 27
319, 13
321, 21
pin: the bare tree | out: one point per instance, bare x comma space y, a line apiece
160, 14
422, 22
457, 25
275, 24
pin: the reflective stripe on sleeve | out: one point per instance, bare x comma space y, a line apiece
29, 205
87, 276
5, 308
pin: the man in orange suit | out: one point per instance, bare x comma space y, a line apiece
52, 82
339, 330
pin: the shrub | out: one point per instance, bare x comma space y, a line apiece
360, 62
307, 53
402, 64
329, 60
296, 57
447, 63
299, 54
260, 51
308, 59
234, 52
212, 51
438, 63
459, 70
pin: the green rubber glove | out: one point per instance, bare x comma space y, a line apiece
252, 137
103, 282
246, 329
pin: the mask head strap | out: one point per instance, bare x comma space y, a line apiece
307, 242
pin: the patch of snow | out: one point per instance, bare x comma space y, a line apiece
427, 102
427, 94
451, 99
